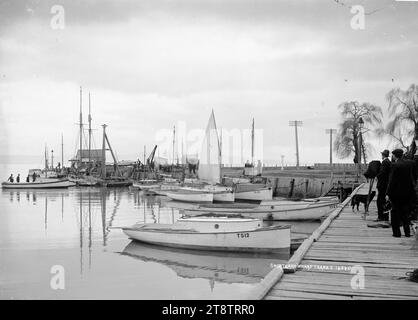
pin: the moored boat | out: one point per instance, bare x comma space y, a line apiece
257, 194
39, 184
215, 233
146, 185
190, 196
306, 211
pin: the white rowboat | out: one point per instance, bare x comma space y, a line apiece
214, 233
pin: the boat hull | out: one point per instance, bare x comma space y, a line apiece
261, 194
224, 197
190, 196
55, 184
266, 239
306, 212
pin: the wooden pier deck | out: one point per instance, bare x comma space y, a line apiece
343, 249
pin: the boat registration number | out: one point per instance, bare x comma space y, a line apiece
243, 235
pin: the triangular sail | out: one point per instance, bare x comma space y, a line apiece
209, 163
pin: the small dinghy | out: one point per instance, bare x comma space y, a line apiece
190, 196
207, 232
39, 184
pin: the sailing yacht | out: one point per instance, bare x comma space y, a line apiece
248, 191
208, 187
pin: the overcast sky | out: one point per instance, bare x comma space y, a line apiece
152, 64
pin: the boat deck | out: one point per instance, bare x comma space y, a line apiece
331, 262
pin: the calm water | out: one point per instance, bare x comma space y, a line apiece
74, 229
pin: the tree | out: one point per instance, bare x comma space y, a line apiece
348, 136
403, 110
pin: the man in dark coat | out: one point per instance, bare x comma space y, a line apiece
401, 192
382, 185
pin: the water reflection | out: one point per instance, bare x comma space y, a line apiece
214, 266
77, 228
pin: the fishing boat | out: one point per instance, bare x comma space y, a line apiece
284, 212
207, 232
48, 183
190, 195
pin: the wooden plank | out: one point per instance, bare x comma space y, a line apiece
347, 290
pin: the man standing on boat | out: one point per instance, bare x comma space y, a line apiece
33, 177
11, 179
401, 192
18, 178
382, 184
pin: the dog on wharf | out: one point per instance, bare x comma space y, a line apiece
362, 198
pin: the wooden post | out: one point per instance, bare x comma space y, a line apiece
292, 185
275, 187
306, 187
322, 187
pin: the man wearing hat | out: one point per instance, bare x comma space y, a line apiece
382, 185
401, 192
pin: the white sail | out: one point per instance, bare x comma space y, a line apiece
210, 155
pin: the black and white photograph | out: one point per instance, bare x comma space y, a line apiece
237, 151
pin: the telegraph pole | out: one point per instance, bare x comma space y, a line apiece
296, 124
330, 132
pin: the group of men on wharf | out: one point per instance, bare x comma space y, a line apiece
396, 186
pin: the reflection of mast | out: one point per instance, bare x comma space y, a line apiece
103, 207
212, 284
46, 212
62, 207
81, 127
105, 228
89, 132
172, 215
81, 232
90, 230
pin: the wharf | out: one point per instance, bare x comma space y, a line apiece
346, 259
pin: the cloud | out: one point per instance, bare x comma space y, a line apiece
150, 64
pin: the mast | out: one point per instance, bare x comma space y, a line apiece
81, 127
104, 152
46, 158
144, 160
89, 131
52, 159
62, 151
174, 141
220, 156
252, 144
